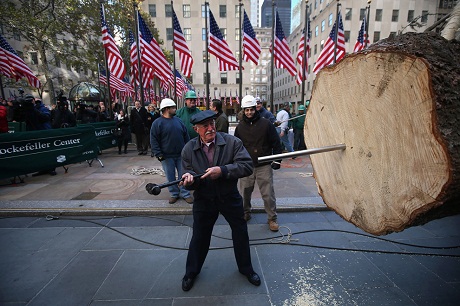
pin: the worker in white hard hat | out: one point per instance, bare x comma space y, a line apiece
168, 137
260, 138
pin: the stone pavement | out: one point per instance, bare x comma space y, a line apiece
111, 243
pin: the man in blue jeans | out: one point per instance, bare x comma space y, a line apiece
168, 136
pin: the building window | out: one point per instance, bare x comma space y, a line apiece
204, 57
323, 25
169, 34
186, 10
237, 11
203, 34
203, 10
392, 35
348, 12
168, 10
153, 10
224, 33
395, 15
223, 78
315, 49
34, 58
237, 34
424, 16
410, 15
187, 34
347, 36
331, 17
316, 31
378, 15
190, 78
222, 11
237, 75
362, 14
376, 36
16, 36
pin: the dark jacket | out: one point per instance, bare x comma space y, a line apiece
233, 160
138, 120
168, 137
222, 122
63, 117
123, 124
259, 136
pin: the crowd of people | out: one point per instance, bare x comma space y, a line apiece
196, 149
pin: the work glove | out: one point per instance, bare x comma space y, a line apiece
160, 158
277, 123
276, 165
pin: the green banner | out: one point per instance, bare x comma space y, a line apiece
27, 152
16, 127
104, 132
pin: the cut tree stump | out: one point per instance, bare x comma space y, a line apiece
396, 107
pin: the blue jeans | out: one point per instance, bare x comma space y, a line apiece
285, 140
169, 166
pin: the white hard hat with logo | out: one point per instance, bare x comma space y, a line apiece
248, 101
166, 102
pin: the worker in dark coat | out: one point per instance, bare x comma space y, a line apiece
222, 159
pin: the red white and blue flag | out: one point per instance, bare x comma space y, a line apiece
12, 66
250, 43
362, 35
114, 59
282, 53
151, 53
326, 56
300, 57
219, 47
180, 44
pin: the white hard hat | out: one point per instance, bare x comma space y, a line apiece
248, 101
166, 102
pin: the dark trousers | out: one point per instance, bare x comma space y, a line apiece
299, 141
204, 217
142, 140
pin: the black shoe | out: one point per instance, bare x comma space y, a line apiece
187, 283
119, 152
253, 278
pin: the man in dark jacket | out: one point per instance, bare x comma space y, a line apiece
138, 121
260, 138
221, 117
223, 160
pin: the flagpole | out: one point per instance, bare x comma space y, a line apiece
304, 62
174, 54
1, 86
141, 86
241, 51
206, 4
107, 72
367, 23
336, 30
273, 57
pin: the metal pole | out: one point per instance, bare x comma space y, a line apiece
272, 64
141, 86
206, 4
241, 53
1, 86
304, 62
336, 30
174, 55
366, 38
337, 147
107, 72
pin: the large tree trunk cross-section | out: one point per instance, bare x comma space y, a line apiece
396, 106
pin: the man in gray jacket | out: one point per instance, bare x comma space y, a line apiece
221, 160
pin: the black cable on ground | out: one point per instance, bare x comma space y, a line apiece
287, 242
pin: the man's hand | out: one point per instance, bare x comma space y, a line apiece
213, 173
187, 179
276, 165
160, 158
277, 123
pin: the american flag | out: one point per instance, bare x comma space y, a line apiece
115, 83
14, 66
299, 57
250, 43
282, 53
180, 44
152, 55
219, 47
361, 37
147, 72
181, 85
114, 59
326, 56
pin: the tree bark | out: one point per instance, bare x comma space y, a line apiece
396, 106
